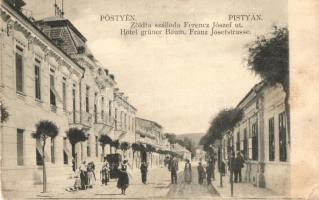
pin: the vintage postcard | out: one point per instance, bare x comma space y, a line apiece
146, 99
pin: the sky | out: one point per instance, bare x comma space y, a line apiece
181, 82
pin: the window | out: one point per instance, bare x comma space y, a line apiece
102, 106
88, 149
96, 147
65, 154
20, 147
19, 69
255, 141
115, 118
64, 93
282, 138
52, 89
245, 144
271, 127
95, 113
39, 152
110, 110
74, 101
87, 93
121, 120
238, 142
37, 80
125, 125
52, 150
95, 107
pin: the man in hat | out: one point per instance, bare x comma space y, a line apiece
174, 169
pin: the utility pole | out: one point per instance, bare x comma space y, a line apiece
232, 175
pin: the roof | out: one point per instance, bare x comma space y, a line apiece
29, 22
57, 21
255, 88
157, 124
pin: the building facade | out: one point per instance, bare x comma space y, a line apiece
49, 73
151, 133
37, 79
262, 138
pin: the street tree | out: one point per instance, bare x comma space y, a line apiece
150, 149
124, 146
225, 120
116, 145
171, 137
44, 130
4, 113
75, 135
135, 147
104, 140
268, 57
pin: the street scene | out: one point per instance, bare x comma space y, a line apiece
90, 113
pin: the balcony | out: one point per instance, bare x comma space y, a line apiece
103, 124
78, 118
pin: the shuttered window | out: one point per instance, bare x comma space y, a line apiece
37, 80
282, 137
271, 128
20, 147
19, 69
255, 141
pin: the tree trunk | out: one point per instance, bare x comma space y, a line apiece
103, 152
73, 156
133, 160
110, 149
44, 170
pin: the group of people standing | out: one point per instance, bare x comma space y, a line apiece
85, 176
203, 172
207, 172
236, 164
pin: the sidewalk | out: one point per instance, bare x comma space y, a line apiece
158, 184
243, 190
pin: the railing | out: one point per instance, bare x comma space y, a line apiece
103, 118
80, 118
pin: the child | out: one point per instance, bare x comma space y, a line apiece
77, 182
105, 173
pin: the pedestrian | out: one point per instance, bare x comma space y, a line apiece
213, 167
83, 175
169, 162
201, 173
77, 181
188, 172
90, 174
105, 173
143, 169
232, 166
123, 179
238, 165
174, 169
209, 171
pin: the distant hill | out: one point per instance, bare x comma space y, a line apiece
195, 137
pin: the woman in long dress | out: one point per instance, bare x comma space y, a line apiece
123, 179
90, 174
188, 172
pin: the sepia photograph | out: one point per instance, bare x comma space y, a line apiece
128, 99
